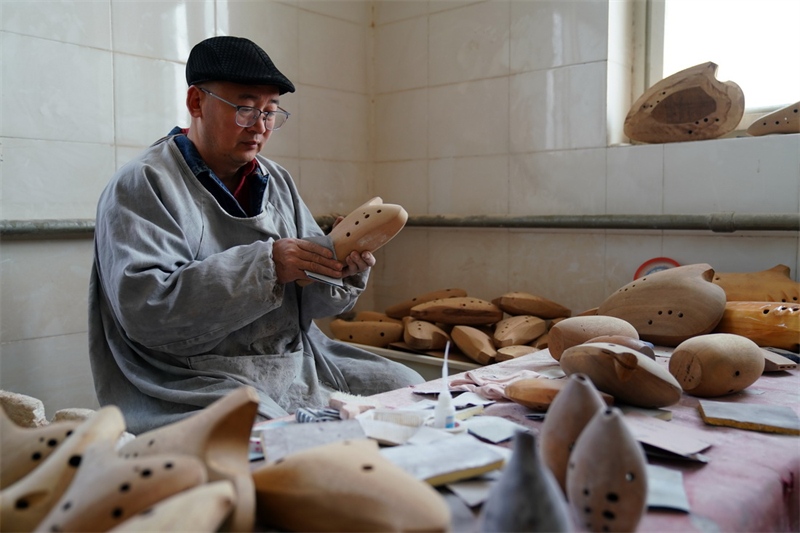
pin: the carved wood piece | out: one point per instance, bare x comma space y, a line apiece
783, 120
769, 324
579, 329
474, 343
506, 353
371, 333
772, 285
686, 106
523, 303
538, 394
368, 227
401, 309
424, 335
463, 310
518, 329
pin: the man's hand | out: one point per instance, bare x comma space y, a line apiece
358, 262
293, 256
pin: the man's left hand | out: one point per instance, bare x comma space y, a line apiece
357, 262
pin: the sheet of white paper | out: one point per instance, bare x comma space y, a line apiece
475, 491
465, 399
493, 428
325, 279
665, 489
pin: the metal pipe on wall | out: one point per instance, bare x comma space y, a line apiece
727, 222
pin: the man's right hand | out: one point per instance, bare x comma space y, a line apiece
294, 256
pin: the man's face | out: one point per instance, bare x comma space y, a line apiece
232, 144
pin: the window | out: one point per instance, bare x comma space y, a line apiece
755, 43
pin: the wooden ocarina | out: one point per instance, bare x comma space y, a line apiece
368, 227
716, 364
686, 106
669, 306
25, 503
24, 448
523, 303
632, 343
346, 486
219, 436
607, 475
423, 335
375, 316
474, 343
538, 394
771, 324
403, 308
579, 329
627, 375
200, 509
108, 489
371, 333
506, 353
518, 329
783, 120
773, 285
459, 311
569, 412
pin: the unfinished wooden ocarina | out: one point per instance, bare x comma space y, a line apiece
459, 311
200, 509
25, 504
423, 335
541, 342
607, 475
526, 497
518, 329
368, 227
629, 376
506, 353
474, 343
523, 303
24, 448
783, 120
219, 436
379, 334
579, 329
108, 489
632, 343
773, 285
771, 324
346, 486
686, 106
403, 308
669, 306
538, 394
375, 316
716, 364
568, 414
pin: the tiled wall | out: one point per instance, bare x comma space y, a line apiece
451, 107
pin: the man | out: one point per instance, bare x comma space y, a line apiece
199, 243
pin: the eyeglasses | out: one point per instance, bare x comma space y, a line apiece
246, 115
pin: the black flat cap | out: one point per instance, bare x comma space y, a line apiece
234, 59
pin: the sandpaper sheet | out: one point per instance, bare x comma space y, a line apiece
755, 417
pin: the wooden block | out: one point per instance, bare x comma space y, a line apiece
783, 120
379, 334
463, 310
474, 343
507, 353
774, 362
403, 308
518, 330
523, 303
755, 417
424, 335
539, 393
375, 316
686, 106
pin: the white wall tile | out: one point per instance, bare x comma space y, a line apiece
635, 179
65, 184
401, 125
562, 266
469, 119
286, 141
76, 22
404, 183
744, 175
403, 268
54, 370
569, 182
625, 253
436, 6
358, 11
401, 50
332, 53
333, 125
42, 284
553, 33
618, 101
470, 43
469, 185
388, 11
166, 29
150, 98
558, 109
55, 91
333, 187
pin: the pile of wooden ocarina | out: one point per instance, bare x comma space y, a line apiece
483, 331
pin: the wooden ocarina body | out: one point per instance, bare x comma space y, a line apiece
523, 303
607, 475
579, 329
669, 306
783, 120
474, 343
403, 308
686, 106
371, 333
519, 329
632, 343
423, 335
627, 375
506, 353
346, 486
716, 364
538, 394
773, 285
459, 311
368, 227
566, 418
771, 324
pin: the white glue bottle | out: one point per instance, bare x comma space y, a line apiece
444, 416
